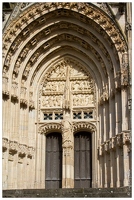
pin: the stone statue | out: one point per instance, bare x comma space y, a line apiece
67, 133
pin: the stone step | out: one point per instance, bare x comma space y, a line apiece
63, 193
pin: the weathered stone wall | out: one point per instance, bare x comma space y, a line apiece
124, 192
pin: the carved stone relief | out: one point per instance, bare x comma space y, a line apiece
66, 79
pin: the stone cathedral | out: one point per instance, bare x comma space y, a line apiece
66, 95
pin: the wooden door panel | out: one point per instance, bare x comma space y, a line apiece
53, 161
82, 160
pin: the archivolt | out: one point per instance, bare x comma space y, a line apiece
45, 29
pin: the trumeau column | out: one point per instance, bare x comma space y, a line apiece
68, 154
67, 137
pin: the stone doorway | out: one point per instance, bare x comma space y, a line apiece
53, 161
82, 160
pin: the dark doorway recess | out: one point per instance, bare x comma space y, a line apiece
82, 160
53, 161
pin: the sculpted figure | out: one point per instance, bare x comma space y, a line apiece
67, 133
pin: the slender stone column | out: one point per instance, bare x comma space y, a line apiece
38, 161
106, 164
119, 143
4, 169
43, 158
112, 162
10, 171
118, 167
118, 113
94, 160
31, 128
4, 114
124, 109
31, 165
101, 159
21, 125
126, 149
104, 121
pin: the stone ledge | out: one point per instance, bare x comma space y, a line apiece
81, 192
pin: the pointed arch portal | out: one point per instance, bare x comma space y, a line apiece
65, 70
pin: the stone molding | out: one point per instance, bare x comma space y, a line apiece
47, 127
117, 141
77, 126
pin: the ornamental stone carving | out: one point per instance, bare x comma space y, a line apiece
124, 70
31, 104
47, 127
118, 81
126, 138
77, 126
128, 26
105, 96
8, 60
101, 150
91, 12
5, 144
67, 133
30, 151
106, 146
14, 88
80, 85
5, 91
22, 150
23, 102
119, 140
112, 144
13, 147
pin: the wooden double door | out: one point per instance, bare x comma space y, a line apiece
82, 160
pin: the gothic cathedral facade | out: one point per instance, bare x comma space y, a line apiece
66, 95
